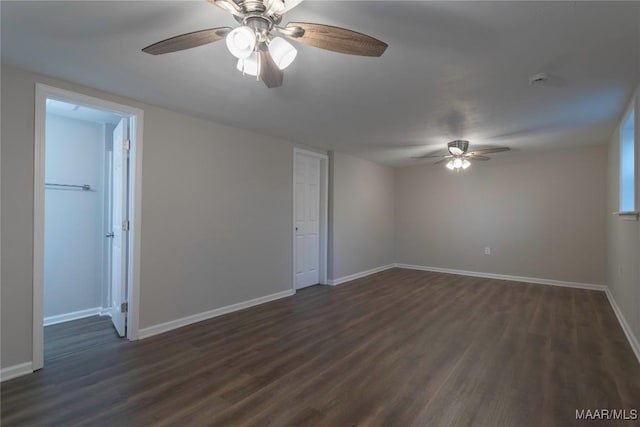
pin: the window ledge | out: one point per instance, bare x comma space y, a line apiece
628, 216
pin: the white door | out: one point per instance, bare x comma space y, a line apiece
119, 226
307, 220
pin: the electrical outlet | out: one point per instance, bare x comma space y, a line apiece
487, 250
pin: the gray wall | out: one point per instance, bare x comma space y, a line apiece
216, 213
542, 215
624, 240
361, 215
73, 222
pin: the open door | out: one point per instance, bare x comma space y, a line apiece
119, 227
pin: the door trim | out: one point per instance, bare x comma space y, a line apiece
136, 116
324, 214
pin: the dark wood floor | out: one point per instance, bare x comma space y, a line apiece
397, 348
65, 339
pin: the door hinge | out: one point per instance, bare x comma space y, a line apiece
126, 144
124, 307
125, 225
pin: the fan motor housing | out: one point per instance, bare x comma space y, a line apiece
458, 147
249, 6
259, 21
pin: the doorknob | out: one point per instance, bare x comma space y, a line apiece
110, 235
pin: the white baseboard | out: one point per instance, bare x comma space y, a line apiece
633, 341
67, 317
175, 324
536, 280
15, 371
351, 277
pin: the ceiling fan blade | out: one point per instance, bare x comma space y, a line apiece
429, 156
490, 150
228, 6
441, 161
476, 157
187, 41
337, 39
270, 74
433, 156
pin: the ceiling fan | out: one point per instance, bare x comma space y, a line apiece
459, 155
259, 43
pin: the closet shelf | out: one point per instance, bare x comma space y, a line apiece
84, 187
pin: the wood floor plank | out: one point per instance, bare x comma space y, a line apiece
397, 348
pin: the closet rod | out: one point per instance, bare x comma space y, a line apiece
85, 187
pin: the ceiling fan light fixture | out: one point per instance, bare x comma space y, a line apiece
241, 42
458, 163
282, 52
249, 65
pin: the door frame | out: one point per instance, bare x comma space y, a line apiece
136, 117
324, 214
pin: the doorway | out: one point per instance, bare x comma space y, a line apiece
310, 217
87, 206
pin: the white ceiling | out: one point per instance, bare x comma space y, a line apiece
453, 70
